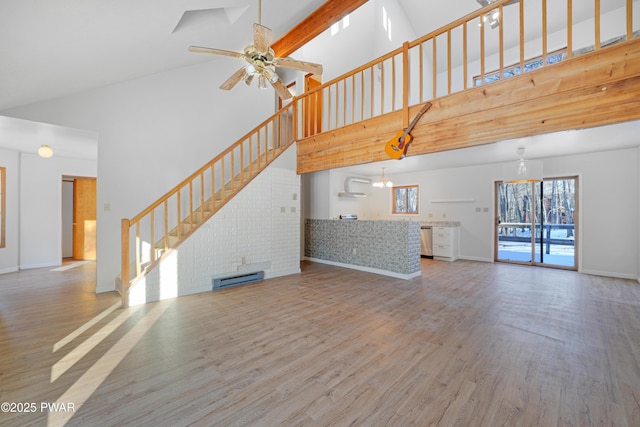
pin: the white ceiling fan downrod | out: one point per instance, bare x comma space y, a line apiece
260, 12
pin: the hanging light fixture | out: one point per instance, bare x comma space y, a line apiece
45, 151
522, 170
382, 182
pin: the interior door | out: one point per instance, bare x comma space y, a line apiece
84, 219
312, 117
536, 223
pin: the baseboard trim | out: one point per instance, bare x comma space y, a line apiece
611, 274
9, 270
270, 275
45, 265
479, 259
367, 269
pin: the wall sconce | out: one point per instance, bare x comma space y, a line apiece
45, 151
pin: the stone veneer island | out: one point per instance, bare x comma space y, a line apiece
391, 248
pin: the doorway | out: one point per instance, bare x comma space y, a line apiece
79, 218
312, 106
537, 223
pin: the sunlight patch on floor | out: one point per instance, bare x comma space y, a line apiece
72, 265
73, 335
80, 351
89, 382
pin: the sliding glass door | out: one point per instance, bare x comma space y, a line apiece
537, 222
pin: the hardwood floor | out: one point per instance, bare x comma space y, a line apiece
469, 344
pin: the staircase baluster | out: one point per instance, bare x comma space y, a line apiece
222, 189
629, 19
544, 32
201, 197
152, 240
178, 230
166, 225
138, 262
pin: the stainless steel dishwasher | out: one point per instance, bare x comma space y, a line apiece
426, 241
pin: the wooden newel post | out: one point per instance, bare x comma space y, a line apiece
125, 275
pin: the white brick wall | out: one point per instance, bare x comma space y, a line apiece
259, 229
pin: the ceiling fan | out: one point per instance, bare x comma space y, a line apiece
261, 61
494, 19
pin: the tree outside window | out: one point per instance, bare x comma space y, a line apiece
405, 199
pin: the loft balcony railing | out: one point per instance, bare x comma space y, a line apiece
489, 45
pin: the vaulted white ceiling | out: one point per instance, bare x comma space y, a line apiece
57, 47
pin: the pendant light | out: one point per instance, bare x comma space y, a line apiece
522, 170
382, 183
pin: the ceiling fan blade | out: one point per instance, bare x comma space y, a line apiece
234, 79
262, 37
215, 51
281, 89
293, 64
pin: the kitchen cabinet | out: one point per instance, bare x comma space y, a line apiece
445, 243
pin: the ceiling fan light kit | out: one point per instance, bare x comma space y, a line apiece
261, 62
494, 17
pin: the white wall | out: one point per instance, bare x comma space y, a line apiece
34, 208
9, 255
349, 48
609, 209
317, 199
398, 27
153, 133
41, 206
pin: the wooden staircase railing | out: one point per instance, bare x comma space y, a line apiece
166, 223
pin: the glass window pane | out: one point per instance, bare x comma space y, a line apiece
412, 195
400, 200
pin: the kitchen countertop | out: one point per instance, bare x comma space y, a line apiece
441, 223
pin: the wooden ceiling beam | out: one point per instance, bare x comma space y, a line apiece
313, 25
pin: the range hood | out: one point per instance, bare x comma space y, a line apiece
347, 187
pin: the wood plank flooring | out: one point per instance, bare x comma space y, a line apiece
467, 344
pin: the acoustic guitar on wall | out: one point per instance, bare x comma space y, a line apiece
396, 148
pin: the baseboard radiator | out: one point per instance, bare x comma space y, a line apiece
241, 279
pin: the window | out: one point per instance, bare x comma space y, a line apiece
2, 205
514, 70
405, 199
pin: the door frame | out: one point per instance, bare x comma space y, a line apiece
74, 232
576, 220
